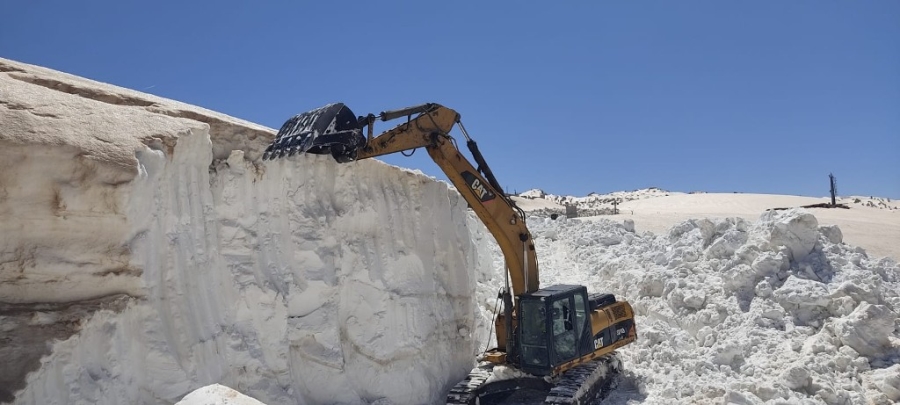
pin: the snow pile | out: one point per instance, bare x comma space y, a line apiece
217, 394
776, 310
146, 253
595, 200
591, 205
533, 193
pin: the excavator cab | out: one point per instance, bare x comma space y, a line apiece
562, 323
554, 328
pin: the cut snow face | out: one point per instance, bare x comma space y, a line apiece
772, 310
147, 254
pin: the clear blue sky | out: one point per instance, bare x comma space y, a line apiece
570, 97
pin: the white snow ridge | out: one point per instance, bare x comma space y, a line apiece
147, 256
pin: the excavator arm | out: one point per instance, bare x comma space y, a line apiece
506, 222
334, 129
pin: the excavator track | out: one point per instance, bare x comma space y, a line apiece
477, 388
466, 391
585, 384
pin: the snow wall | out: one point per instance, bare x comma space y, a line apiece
146, 252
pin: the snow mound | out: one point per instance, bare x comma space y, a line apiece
772, 310
216, 394
533, 193
597, 201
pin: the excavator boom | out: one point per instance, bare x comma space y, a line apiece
307, 132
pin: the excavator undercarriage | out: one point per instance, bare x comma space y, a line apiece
584, 384
555, 343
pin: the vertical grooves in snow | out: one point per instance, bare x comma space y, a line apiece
307, 281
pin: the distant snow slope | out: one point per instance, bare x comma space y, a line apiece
147, 253
872, 223
876, 230
592, 204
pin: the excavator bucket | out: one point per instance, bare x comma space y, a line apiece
330, 129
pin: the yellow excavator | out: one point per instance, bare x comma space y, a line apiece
559, 340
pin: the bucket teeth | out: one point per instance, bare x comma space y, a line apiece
332, 129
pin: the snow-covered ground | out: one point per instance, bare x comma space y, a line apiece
148, 256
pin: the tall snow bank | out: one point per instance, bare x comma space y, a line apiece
148, 254
774, 310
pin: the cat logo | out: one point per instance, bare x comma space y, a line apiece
598, 343
480, 189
